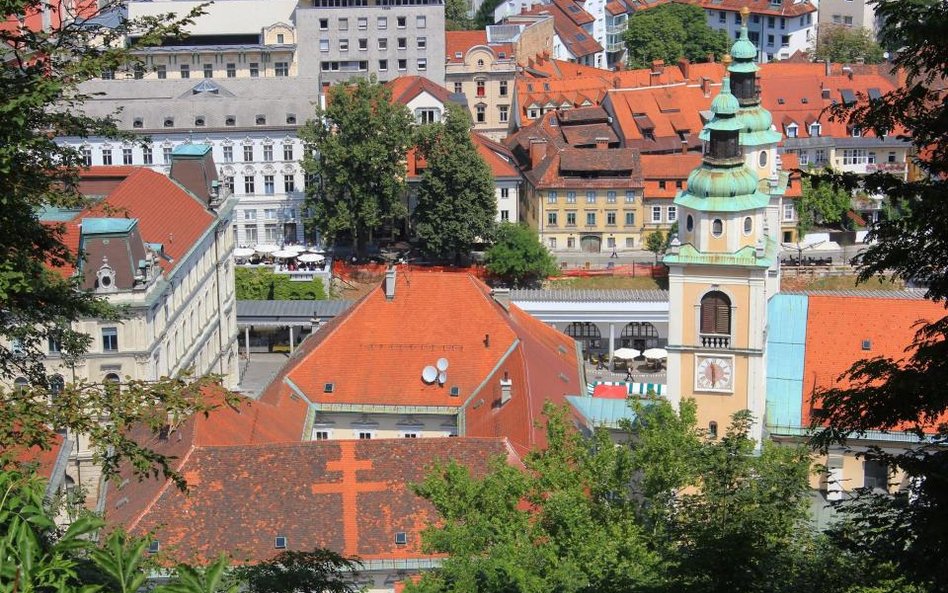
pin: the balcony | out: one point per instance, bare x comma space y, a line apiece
715, 341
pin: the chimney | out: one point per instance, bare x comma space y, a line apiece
706, 86
389, 283
685, 66
506, 389
658, 66
502, 296
602, 143
616, 81
710, 58
827, 67
192, 166
537, 152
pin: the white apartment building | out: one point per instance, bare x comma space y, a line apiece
250, 127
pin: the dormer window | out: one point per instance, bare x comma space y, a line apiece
856, 132
815, 130
792, 131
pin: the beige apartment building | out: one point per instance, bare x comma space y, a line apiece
482, 65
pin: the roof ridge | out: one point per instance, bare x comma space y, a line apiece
164, 487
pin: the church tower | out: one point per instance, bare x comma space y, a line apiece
758, 137
718, 273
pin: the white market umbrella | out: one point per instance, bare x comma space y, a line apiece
295, 248
656, 354
626, 353
284, 254
266, 249
316, 250
243, 252
310, 258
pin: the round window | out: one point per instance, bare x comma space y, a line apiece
690, 223
717, 227
762, 159
748, 225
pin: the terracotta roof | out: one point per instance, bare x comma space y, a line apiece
788, 8
166, 212
406, 88
497, 156
461, 41
349, 496
667, 170
652, 118
790, 163
568, 18
837, 326
374, 354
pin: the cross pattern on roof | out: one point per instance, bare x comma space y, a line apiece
349, 488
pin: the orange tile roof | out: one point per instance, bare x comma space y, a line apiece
374, 354
348, 496
166, 212
568, 19
460, 42
497, 156
837, 325
662, 111
406, 88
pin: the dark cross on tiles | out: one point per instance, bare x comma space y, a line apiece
349, 488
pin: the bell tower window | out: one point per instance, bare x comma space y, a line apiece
716, 313
724, 145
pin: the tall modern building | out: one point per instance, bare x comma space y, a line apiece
340, 39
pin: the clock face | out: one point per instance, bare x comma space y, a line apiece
714, 373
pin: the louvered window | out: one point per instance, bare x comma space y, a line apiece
715, 313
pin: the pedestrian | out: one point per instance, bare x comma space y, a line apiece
614, 254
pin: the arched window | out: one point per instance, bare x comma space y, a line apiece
762, 159
56, 385
717, 227
20, 384
585, 332
112, 382
639, 335
690, 223
715, 313
748, 225
713, 429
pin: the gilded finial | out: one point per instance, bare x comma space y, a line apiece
745, 12
726, 60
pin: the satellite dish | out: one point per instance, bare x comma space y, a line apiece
442, 377
442, 364
429, 374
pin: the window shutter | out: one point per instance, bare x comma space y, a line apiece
722, 321
707, 315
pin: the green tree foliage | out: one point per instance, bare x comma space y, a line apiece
485, 14
455, 15
41, 99
261, 284
669, 32
518, 257
656, 243
356, 149
302, 572
456, 203
847, 45
822, 203
905, 391
565, 524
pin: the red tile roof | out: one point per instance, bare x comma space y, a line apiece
568, 19
406, 88
667, 170
837, 325
349, 496
651, 118
497, 156
166, 212
374, 354
461, 42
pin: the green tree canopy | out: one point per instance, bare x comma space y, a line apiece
41, 100
669, 32
822, 203
485, 14
456, 203
845, 44
518, 257
656, 243
906, 391
456, 15
356, 149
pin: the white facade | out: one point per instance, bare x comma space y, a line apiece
776, 37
